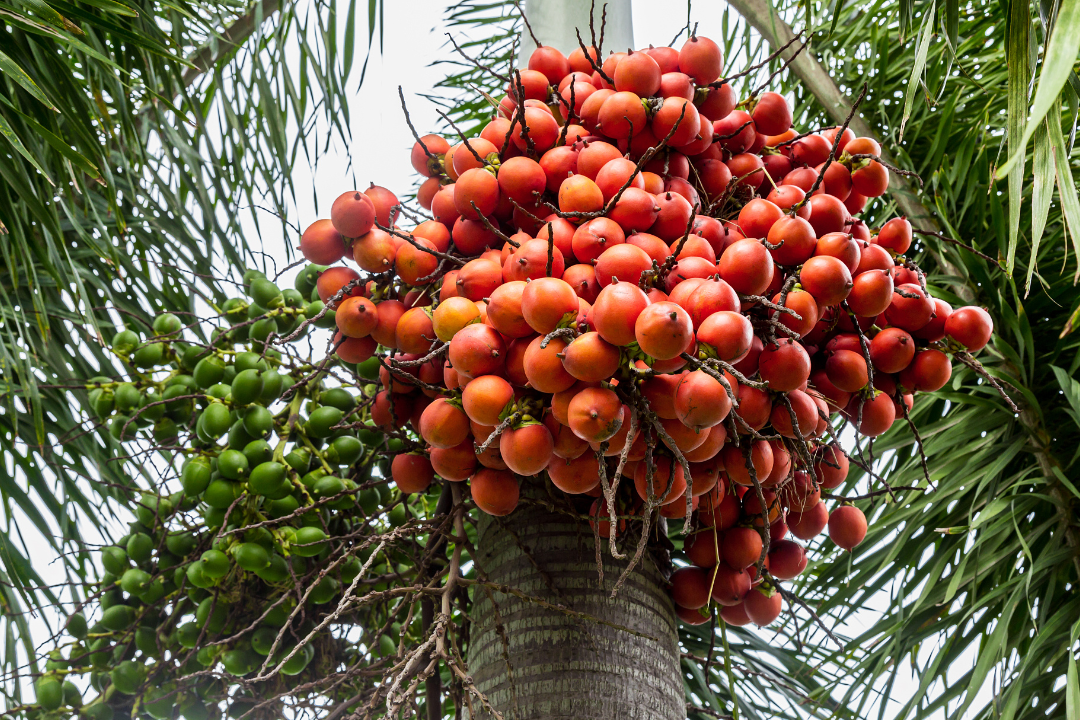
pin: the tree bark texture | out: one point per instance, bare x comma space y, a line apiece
536, 663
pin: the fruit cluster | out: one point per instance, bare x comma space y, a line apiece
628, 272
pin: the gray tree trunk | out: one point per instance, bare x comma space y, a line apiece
554, 22
536, 663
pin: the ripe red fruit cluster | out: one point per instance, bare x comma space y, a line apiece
627, 237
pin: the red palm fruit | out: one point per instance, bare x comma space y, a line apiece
683, 438
762, 609
805, 410
654, 247
701, 547
935, 329
673, 216
389, 313
801, 493
802, 178
755, 406
411, 473
527, 449
451, 315
595, 414
828, 214
689, 268
971, 327
333, 280
486, 398
563, 232
847, 526
757, 217
593, 237
735, 133
797, 237
355, 350
847, 370
830, 477
781, 468
591, 358
558, 164
414, 331
707, 298
747, 267
715, 177
929, 371
529, 262
582, 278
674, 84
870, 179
704, 475
722, 514
749, 364
356, 317
477, 350
436, 232
548, 303
621, 116
742, 547
659, 390
478, 187
515, 361
841, 246
891, 350
464, 155
543, 131
704, 454
871, 293
678, 117
847, 136
590, 109
456, 463
623, 262
701, 401
717, 102
416, 262
735, 462
690, 587
594, 157
663, 330
735, 615
322, 244
386, 204
836, 181
616, 310
577, 93
567, 445
352, 214
878, 414
855, 204
811, 150
495, 133
426, 154
549, 62
579, 194
618, 441
802, 303
520, 177
787, 559
784, 364
444, 425
701, 59
911, 308
827, 278
637, 73
771, 114
615, 174
575, 476
560, 401
636, 210
808, 525
581, 61
873, 257
662, 474
729, 587
505, 312
895, 235
443, 208
375, 251
544, 368
495, 492
786, 197
667, 58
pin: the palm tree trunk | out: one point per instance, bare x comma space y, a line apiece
604, 658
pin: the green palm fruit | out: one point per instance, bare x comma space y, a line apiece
149, 355
126, 397
310, 541
167, 324
195, 475
321, 421
125, 342
50, 693
180, 543
128, 676
115, 560
251, 556
220, 495
118, 617
258, 421
134, 581
233, 464
209, 371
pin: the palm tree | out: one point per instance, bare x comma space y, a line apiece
977, 559
138, 133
